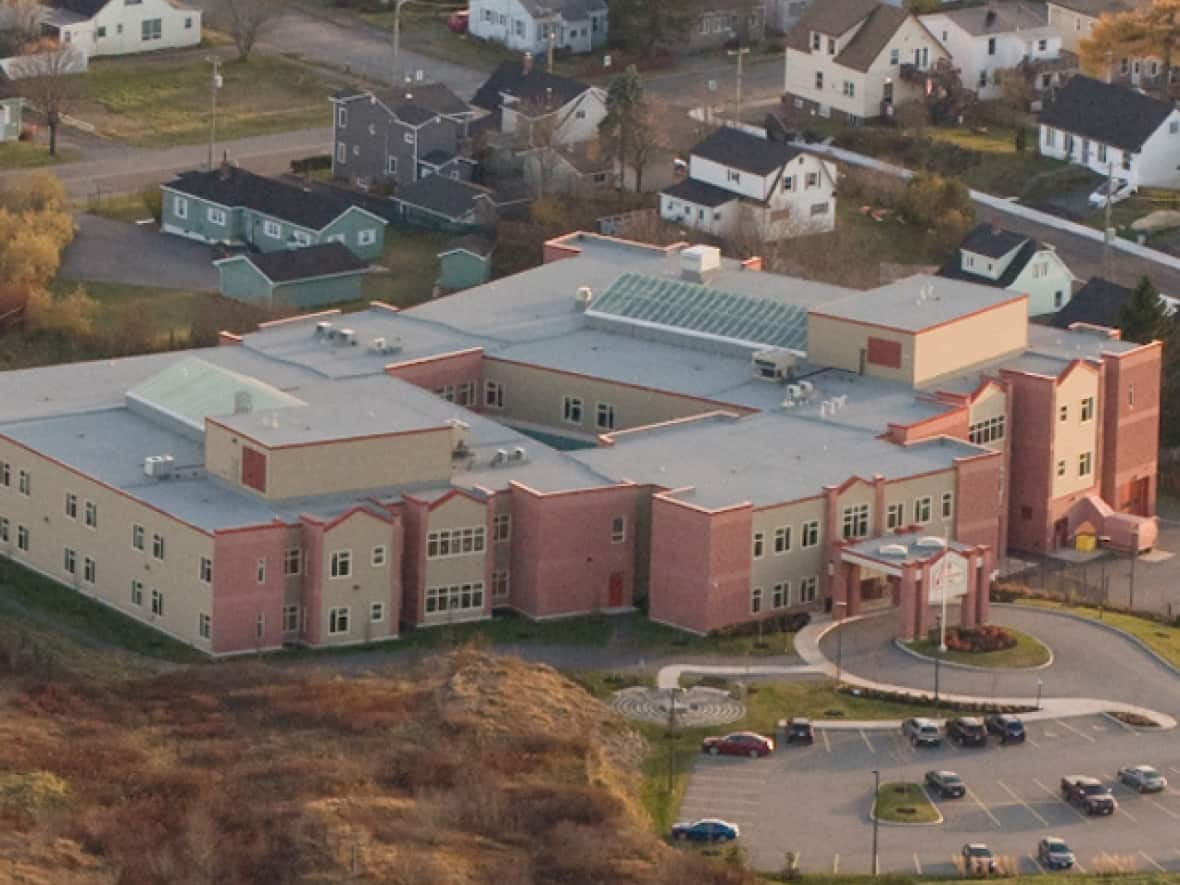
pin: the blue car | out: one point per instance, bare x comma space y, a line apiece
705, 830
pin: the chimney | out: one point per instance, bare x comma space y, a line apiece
991, 17
526, 64
226, 169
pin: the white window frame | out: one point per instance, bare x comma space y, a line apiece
341, 117
493, 395
780, 595
292, 562
205, 570
24, 540
301, 237
376, 612
260, 571
808, 588
341, 153
1086, 464
604, 416
340, 564
947, 505
290, 618
89, 569
759, 545
451, 543
366, 237
618, 530
379, 556
894, 515
809, 534
501, 587
782, 540
180, 207
855, 521
1087, 410
756, 600
24, 482
502, 528
90, 515
137, 593
272, 229
215, 216
923, 510
339, 621
204, 626
4, 529
72, 506
445, 598
571, 410
69, 560
157, 607
159, 547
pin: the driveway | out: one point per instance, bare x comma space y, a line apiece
106, 251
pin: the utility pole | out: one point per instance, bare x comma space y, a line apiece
1106, 237
552, 41
215, 82
741, 52
397, 39
876, 817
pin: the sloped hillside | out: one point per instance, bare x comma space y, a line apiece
469, 769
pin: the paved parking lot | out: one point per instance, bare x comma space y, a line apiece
815, 800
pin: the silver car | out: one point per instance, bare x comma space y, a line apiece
1143, 778
1054, 854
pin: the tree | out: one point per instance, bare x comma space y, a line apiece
249, 20
644, 25
1143, 317
939, 204
1151, 31
626, 135
947, 99
48, 74
70, 316
19, 24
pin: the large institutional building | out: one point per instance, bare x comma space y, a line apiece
623, 424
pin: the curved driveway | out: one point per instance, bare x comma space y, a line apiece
1089, 661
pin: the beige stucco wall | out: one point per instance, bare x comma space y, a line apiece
991, 403
360, 533
458, 512
857, 493
970, 341
1072, 436
117, 562
797, 563
908, 491
838, 343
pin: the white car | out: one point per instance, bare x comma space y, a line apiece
1122, 191
1143, 778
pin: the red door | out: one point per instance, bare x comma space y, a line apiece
615, 599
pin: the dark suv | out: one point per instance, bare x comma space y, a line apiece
1009, 729
1088, 794
966, 731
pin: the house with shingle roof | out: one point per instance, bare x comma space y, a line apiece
740, 183
529, 107
121, 27
1074, 20
526, 25
857, 59
1112, 129
328, 273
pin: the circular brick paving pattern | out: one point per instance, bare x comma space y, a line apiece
698, 705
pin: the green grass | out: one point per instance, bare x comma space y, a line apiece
896, 798
28, 155
412, 256
1028, 652
1164, 640
172, 311
604, 683
160, 102
129, 208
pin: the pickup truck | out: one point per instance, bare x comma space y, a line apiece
1088, 794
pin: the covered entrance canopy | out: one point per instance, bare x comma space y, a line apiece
922, 570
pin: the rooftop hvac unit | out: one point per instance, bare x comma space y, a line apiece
347, 336
158, 466
500, 457
808, 387
518, 453
794, 393
377, 345
773, 365
583, 297
323, 329
789, 403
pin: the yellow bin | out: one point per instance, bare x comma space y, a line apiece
1086, 543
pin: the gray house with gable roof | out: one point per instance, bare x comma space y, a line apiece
526, 25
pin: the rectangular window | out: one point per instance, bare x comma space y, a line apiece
855, 521
292, 561
1061, 468
788, 182
894, 56
180, 207
1063, 413
5, 474
290, 618
341, 118
338, 621
71, 505
807, 588
499, 586
894, 516
605, 418
502, 527
4, 529
376, 612
24, 483
819, 80
987, 431
1088, 408
983, 78
188, 23
366, 237
70, 561
1101, 153
780, 595
204, 626
755, 600
137, 537
782, 539
260, 627
456, 597
948, 504
215, 216
1131, 394
91, 515
22, 538
341, 152
152, 29
922, 508
493, 394
205, 570
260, 571
849, 89
811, 180
819, 209
89, 570
157, 603
272, 229
454, 542
809, 535
618, 530
991, 45
831, 46
1050, 136
102, 32
340, 564
1085, 464
137, 593
759, 544
158, 547
571, 410
378, 558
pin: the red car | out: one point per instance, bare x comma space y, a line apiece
457, 21
742, 743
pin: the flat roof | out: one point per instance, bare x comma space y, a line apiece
916, 303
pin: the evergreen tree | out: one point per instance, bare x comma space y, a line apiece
619, 130
1143, 317
644, 25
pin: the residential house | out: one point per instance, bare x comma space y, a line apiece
739, 184
995, 257
1003, 36
568, 169
465, 263
1100, 303
231, 206
122, 27
538, 25
722, 22
10, 118
857, 59
1112, 129
782, 15
441, 203
395, 137
328, 273
530, 107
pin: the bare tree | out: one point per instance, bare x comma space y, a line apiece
49, 81
249, 20
19, 23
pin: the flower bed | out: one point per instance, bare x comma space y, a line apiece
926, 700
976, 640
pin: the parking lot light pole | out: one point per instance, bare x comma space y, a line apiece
839, 606
938, 656
876, 796
1040, 688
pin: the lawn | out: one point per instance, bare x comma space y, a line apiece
899, 802
161, 102
1160, 638
1003, 171
172, 312
412, 257
128, 208
1028, 652
30, 155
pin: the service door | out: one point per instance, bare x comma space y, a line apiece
615, 595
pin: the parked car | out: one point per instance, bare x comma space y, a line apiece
966, 731
1122, 190
1054, 854
741, 743
922, 732
458, 21
1143, 778
1009, 729
946, 784
978, 858
799, 731
1088, 794
705, 830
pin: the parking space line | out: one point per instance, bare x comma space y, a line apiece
986, 810
827, 744
1147, 857
1057, 796
1069, 727
1007, 789
1036, 863
917, 864
1122, 724
1031, 741
1160, 805
868, 743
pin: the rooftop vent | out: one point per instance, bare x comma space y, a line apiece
892, 550
158, 466
808, 388
243, 402
930, 542
518, 453
583, 297
347, 336
700, 263
500, 457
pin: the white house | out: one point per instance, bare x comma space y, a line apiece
857, 59
991, 256
1075, 19
527, 25
534, 108
121, 27
985, 40
740, 183
1110, 128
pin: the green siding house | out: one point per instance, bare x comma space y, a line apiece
10, 118
234, 207
466, 263
301, 278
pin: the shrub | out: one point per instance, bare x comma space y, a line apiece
314, 163
153, 201
976, 639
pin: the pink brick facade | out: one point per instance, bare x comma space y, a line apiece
465, 367
239, 600
1130, 423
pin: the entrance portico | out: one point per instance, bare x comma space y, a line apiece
922, 570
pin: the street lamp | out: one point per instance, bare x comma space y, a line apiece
215, 83
876, 817
397, 36
938, 657
1040, 688
839, 639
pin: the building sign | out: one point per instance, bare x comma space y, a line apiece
948, 577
